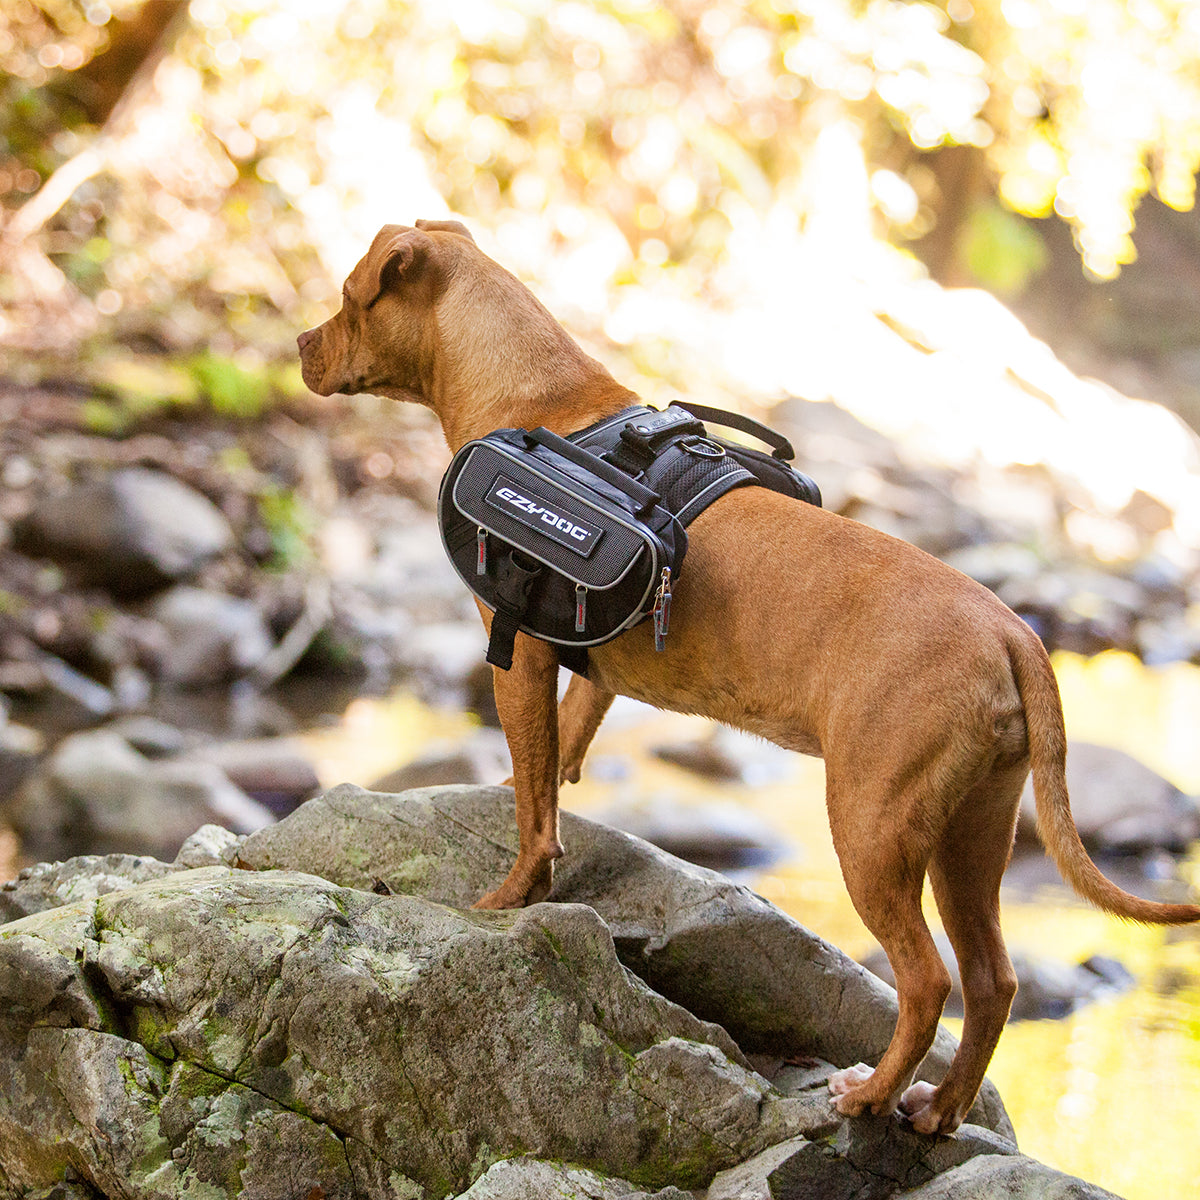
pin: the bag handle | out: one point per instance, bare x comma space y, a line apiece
642, 495
781, 448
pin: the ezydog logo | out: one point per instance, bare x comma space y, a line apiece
538, 513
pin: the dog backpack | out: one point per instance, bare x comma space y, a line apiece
574, 540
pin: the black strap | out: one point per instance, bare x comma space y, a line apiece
643, 496
512, 591
574, 658
781, 448
505, 625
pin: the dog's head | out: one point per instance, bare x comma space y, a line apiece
427, 316
381, 338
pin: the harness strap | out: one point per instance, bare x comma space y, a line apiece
514, 582
781, 448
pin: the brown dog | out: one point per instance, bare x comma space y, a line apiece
927, 697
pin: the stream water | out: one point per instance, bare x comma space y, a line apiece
1110, 1093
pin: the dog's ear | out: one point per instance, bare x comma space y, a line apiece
396, 252
445, 227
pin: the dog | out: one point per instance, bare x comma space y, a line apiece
928, 698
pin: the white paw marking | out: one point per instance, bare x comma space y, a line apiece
840, 1082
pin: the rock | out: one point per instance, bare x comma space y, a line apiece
730, 756
482, 757
262, 1032
20, 750
1012, 1177
212, 637
276, 772
444, 656
1084, 610
96, 794
868, 1159
150, 736
226, 1027
713, 834
78, 881
1120, 805
532, 1179
694, 936
35, 672
209, 846
409, 567
133, 530
1046, 989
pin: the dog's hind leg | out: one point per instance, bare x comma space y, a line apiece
885, 882
965, 871
579, 715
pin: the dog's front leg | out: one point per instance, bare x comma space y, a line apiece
526, 697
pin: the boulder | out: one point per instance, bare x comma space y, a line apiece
1014, 1178
1120, 805
133, 530
227, 1028
229, 1025
20, 750
868, 1159
277, 772
1047, 988
96, 794
534, 1179
479, 757
211, 637
693, 935
713, 833
79, 880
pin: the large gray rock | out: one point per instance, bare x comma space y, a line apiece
710, 945
225, 1027
534, 1179
868, 1159
1119, 804
133, 530
80, 880
172, 1030
97, 795
211, 637
1013, 1178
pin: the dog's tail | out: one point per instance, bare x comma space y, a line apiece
1047, 737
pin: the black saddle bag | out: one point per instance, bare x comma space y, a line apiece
556, 541
575, 541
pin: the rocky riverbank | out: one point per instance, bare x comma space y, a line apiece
167, 588
193, 554
656, 1031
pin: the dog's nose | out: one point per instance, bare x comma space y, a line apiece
307, 336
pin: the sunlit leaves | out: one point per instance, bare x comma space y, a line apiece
622, 137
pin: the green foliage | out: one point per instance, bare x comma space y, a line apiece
231, 191
289, 523
1001, 251
232, 390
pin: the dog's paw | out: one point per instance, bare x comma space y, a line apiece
918, 1105
859, 1089
842, 1082
520, 888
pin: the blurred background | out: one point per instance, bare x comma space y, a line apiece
950, 249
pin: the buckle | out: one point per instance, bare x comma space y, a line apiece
701, 447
